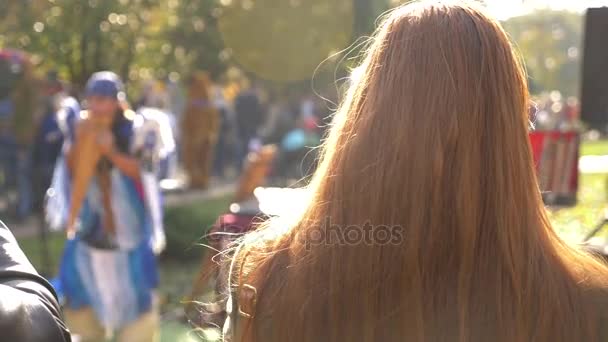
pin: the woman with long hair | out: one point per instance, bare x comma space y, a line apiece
431, 147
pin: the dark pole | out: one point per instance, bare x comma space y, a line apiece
46, 262
42, 184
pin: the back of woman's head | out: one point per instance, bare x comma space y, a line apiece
426, 222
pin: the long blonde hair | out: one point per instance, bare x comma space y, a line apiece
431, 141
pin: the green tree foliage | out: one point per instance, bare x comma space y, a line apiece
280, 40
80, 37
191, 37
285, 40
550, 43
366, 13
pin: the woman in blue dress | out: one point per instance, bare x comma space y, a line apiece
108, 273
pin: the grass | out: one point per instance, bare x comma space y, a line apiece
594, 148
176, 332
573, 223
32, 246
187, 225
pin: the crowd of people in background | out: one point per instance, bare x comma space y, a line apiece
243, 118
216, 124
552, 111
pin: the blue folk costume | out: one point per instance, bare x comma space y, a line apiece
114, 274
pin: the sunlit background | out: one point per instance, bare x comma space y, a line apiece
504, 9
290, 48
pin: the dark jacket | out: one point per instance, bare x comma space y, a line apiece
248, 113
28, 303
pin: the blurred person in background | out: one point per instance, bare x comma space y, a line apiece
223, 153
8, 151
20, 109
308, 106
155, 100
280, 119
249, 117
153, 95
59, 107
199, 130
108, 272
296, 156
176, 97
147, 90
176, 106
425, 220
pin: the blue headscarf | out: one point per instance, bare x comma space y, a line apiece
107, 84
